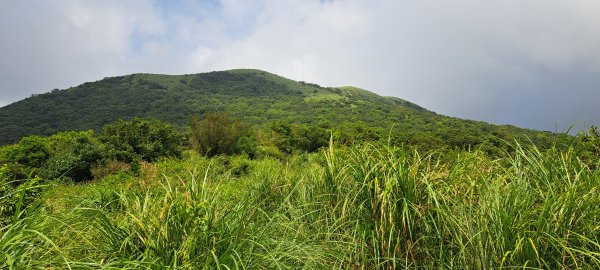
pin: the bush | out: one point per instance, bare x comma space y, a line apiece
110, 167
15, 198
216, 134
269, 151
31, 151
74, 156
146, 139
290, 138
590, 144
238, 165
69, 155
19, 173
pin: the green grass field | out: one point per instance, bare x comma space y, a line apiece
364, 207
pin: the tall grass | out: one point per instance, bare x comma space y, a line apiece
23, 245
367, 207
540, 211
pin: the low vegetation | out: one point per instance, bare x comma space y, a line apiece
292, 196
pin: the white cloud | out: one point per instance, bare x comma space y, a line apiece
62, 43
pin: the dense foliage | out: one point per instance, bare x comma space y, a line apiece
16, 196
142, 139
291, 138
74, 156
67, 155
216, 134
35, 161
257, 98
589, 145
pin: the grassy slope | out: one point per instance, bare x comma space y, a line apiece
362, 208
254, 96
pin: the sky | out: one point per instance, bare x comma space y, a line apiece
529, 63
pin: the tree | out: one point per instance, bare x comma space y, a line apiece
216, 134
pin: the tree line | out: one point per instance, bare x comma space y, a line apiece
124, 145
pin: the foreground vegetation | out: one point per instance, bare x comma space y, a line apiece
366, 206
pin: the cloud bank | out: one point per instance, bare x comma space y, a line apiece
532, 63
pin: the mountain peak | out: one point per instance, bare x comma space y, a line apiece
255, 96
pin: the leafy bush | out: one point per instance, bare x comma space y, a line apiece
216, 134
269, 151
237, 165
31, 151
146, 139
309, 138
24, 159
74, 156
15, 198
109, 167
290, 138
590, 144
19, 173
69, 155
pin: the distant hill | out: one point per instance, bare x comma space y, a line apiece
254, 96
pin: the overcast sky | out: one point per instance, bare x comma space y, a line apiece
530, 63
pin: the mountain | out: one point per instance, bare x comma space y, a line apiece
255, 96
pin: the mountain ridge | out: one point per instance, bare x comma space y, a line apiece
255, 96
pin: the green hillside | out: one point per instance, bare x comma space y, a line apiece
256, 97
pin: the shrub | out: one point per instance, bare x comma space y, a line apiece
590, 144
269, 151
309, 138
31, 151
74, 155
146, 139
237, 165
68, 155
295, 137
15, 198
19, 173
216, 134
109, 167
